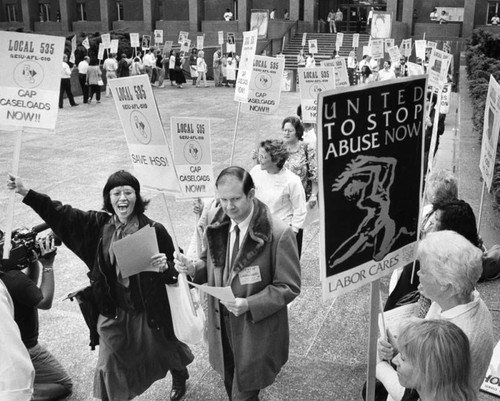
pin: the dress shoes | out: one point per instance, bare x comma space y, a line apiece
178, 391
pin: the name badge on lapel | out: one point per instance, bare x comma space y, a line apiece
250, 275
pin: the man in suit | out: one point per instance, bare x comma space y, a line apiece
256, 255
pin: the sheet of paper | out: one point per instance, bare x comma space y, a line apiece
397, 316
133, 253
222, 293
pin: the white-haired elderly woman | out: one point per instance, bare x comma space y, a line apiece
434, 360
441, 187
450, 267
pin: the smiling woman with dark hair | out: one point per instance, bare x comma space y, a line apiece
137, 344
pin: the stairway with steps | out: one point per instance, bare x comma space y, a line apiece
326, 46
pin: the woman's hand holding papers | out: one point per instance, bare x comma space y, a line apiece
159, 261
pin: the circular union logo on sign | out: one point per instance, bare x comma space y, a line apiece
263, 81
28, 74
140, 127
315, 89
192, 152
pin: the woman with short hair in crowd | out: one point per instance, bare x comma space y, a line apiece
434, 361
277, 187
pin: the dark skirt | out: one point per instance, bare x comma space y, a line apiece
132, 356
179, 77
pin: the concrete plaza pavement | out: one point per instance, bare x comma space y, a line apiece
328, 339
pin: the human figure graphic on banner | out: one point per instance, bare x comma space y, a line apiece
368, 180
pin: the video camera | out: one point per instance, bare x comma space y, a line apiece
25, 249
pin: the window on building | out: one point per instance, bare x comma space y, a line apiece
81, 12
11, 12
44, 11
493, 10
119, 10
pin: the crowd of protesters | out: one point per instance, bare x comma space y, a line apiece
176, 67
447, 346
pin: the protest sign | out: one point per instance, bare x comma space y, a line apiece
339, 41
231, 42
242, 88
265, 85
394, 54
304, 38
428, 50
158, 34
221, 37
73, 48
287, 81
148, 148
100, 52
247, 49
182, 37
381, 25
491, 127
414, 69
106, 40
193, 156
167, 47
355, 40
367, 50
259, 21
377, 48
491, 383
340, 69
113, 48
30, 79
146, 42
134, 40
406, 47
312, 82
185, 45
420, 46
86, 43
313, 46
439, 64
369, 163
200, 42
445, 99
388, 43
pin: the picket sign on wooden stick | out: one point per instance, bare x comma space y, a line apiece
235, 133
382, 318
481, 208
257, 142
12, 195
423, 189
170, 228
372, 340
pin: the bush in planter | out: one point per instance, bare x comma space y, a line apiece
482, 60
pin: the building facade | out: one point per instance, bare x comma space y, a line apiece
411, 17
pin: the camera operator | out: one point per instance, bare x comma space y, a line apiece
16, 370
51, 380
